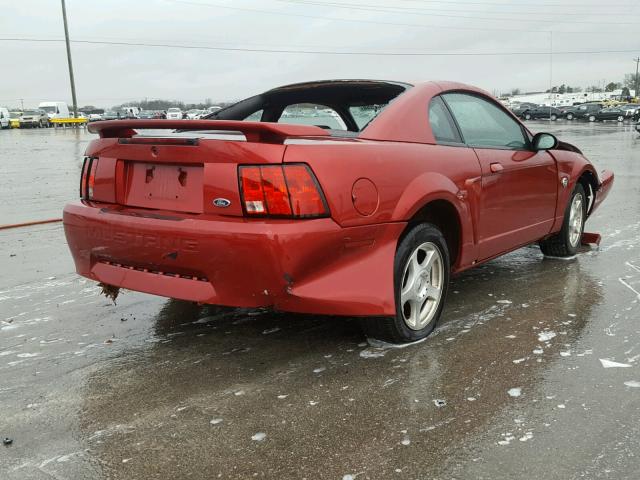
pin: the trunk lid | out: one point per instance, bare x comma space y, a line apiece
193, 170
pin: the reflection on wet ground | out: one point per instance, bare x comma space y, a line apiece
517, 381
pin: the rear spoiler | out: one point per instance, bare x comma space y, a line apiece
263, 132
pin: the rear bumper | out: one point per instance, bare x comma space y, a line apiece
310, 266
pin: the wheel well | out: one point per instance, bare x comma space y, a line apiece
443, 215
590, 184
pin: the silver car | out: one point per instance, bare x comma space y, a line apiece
33, 118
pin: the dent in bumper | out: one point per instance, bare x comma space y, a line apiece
311, 266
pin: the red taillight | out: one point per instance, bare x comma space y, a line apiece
88, 178
281, 190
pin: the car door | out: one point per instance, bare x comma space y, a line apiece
519, 185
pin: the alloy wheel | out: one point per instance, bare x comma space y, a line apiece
576, 214
422, 286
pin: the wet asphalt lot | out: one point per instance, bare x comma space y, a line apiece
516, 382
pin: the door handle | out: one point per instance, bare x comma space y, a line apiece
496, 167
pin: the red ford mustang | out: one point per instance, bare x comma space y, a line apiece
337, 197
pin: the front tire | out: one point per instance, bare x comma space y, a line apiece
527, 116
569, 116
620, 118
421, 279
592, 118
554, 117
566, 242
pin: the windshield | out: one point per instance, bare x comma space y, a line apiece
173, 110
31, 112
15, 114
49, 109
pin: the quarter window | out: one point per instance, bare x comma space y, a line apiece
441, 122
484, 124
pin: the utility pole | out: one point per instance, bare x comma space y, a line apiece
73, 83
635, 80
22, 104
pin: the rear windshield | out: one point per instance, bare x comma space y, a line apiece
341, 107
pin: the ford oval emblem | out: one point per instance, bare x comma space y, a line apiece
222, 202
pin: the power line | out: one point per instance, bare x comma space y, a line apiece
394, 8
395, 24
350, 20
521, 4
317, 52
351, 6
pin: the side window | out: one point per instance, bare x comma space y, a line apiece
363, 114
441, 122
312, 114
254, 117
484, 124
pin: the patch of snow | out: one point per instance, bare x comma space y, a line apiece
515, 392
215, 421
546, 336
632, 384
319, 369
258, 437
610, 364
527, 436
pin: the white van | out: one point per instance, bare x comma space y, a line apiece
55, 109
4, 118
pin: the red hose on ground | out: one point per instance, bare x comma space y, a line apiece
28, 224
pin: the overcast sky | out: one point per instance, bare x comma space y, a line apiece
112, 74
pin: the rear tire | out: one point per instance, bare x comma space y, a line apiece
527, 116
620, 118
421, 278
592, 118
554, 117
565, 243
569, 116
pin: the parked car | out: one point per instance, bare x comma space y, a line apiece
569, 112
542, 112
174, 114
630, 109
299, 218
4, 118
14, 118
195, 114
585, 111
33, 118
613, 113
112, 115
522, 108
146, 114
94, 117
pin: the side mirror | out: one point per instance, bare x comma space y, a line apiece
544, 141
